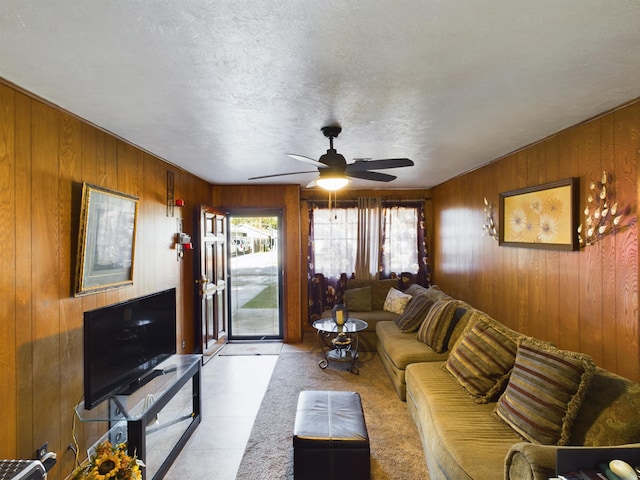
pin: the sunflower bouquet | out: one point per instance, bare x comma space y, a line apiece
110, 462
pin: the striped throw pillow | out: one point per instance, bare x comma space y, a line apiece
482, 360
437, 325
413, 316
545, 391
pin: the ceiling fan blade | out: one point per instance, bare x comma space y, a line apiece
376, 176
313, 183
360, 165
308, 160
281, 174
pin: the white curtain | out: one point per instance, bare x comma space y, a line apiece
369, 238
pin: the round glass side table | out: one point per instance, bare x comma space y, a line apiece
339, 343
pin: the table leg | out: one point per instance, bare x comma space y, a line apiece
354, 356
324, 363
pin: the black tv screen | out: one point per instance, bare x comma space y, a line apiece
124, 342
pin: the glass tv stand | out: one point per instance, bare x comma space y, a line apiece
157, 419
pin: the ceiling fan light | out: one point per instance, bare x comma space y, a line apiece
332, 183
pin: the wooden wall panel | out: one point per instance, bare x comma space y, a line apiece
45, 289
607, 156
70, 158
585, 300
8, 354
45, 155
590, 287
24, 262
626, 153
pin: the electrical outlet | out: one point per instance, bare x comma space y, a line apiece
42, 451
184, 344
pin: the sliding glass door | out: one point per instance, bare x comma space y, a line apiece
255, 275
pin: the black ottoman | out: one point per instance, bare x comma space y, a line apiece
330, 440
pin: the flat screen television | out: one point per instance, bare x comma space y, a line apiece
124, 342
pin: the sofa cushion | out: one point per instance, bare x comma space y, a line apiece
402, 348
415, 290
372, 317
379, 289
414, 314
358, 299
482, 359
396, 301
545, 392
461, 438
437, 325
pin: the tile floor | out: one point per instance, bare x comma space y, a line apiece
232, 390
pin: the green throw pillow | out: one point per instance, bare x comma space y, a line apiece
358, 299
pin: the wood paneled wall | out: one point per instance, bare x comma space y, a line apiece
286, 198
585, 300
44, 154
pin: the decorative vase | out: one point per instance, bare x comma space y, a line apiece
340, 314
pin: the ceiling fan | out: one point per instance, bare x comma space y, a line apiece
333, 170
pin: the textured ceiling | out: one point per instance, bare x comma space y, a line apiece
226, 88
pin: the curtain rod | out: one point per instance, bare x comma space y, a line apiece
352, 198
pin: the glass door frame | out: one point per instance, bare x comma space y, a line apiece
252, 213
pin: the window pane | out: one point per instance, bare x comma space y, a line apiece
401, 239
335, 240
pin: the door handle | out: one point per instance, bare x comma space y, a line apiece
203, 281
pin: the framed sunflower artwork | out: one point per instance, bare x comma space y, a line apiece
545, 216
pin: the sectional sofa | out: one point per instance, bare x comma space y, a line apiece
490, 402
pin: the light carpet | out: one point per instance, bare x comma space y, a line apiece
264, 348
396, 450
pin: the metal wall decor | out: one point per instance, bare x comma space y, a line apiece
601, 217
489, 227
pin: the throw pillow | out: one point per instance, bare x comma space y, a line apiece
380, 290
437, 324
396, 301
482, 360
436, 294
358, 299
415, 290
545, 391
414, 315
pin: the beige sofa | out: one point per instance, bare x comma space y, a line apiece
462, 434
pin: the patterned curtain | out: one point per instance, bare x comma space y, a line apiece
423, 275
325, 291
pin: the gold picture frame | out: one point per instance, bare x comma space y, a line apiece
545, 216
106, 241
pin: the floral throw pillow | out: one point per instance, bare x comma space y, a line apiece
396, 301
